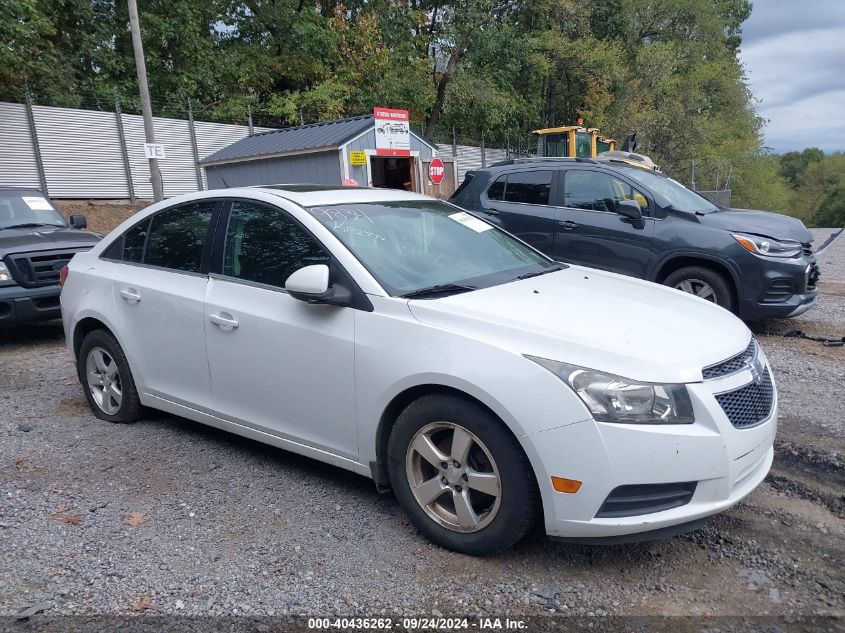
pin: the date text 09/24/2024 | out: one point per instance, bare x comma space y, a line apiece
417, 624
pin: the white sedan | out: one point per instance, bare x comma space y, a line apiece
408, 341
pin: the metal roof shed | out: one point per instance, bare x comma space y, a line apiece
322, 153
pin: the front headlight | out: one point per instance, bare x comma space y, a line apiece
5, 276
614, 399
767, 246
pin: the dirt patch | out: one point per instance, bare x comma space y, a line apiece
72, 405
832, 288
102, 215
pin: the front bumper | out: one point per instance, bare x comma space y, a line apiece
726, 463
780, 289
23, 305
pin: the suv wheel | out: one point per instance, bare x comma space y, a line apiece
105, 376
461, 477
703, 282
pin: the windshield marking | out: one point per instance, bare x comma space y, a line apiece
338, 218
37, 203
470, 221
344, 214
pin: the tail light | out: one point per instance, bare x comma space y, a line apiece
63, 273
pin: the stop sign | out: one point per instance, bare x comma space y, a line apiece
436, 171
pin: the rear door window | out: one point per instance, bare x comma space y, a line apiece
175, 239
529, 187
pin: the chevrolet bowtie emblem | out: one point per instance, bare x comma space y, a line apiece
756, 371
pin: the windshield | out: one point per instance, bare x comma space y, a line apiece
668, 192
409, 246
27, 209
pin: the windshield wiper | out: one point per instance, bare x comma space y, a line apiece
31, 225
439, 289
537, 273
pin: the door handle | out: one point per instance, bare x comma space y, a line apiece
568, 225
491, 211
131, 295
224, 321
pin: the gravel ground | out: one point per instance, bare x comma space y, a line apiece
169, 517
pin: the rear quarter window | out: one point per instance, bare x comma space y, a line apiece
496, 191
467, 179
134, 241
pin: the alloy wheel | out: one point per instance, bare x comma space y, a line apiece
698, 288
453, 477
104, 380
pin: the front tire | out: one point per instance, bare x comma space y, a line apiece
705, 283
461, 477
106, 378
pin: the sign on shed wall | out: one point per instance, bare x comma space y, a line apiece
393, 135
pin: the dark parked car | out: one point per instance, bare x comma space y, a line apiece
626, 219
35, 243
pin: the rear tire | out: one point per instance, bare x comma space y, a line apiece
106, 378
705, 283
461, 477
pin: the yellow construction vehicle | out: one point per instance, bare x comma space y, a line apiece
573, 141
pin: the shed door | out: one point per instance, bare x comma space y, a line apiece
447, 186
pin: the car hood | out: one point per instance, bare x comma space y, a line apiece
44, 239
764, 223
595, 319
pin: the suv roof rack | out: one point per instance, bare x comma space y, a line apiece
629, 158
542, 159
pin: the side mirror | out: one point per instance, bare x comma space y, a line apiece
310, 284
631, 210
78, 221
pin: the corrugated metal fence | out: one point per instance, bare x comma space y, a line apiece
469, 157
92, 154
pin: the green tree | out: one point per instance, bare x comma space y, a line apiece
757, 184
817, 197
831, 211
29, 55
793, 165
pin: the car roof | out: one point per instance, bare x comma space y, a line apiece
308, 195
10, 189
558, 163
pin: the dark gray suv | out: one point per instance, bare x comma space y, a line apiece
619, 217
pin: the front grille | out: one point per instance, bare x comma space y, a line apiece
807, 248
629, 501
779, 290
749, 405
32, 270
733, 365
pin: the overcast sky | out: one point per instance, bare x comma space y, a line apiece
794, 55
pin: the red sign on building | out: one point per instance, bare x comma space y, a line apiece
393, 134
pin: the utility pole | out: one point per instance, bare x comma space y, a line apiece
144, 89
